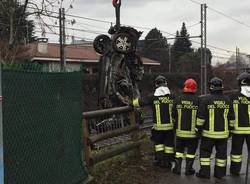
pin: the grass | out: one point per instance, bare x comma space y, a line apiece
125, 168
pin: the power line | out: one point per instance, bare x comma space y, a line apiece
76, 29
75, 16
87, 18
67, 35
223, 54
89, 39
85, 24
219, 48
221, 57
104, 21
93, 32
229, 17
198, 23
195, 2
110, 22
223, 14
140, 27
224, 49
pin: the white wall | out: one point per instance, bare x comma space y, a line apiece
55, 67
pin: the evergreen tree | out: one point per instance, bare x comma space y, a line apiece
181, 47
155, 39
182, 43
156, 47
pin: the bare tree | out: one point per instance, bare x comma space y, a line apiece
16, 12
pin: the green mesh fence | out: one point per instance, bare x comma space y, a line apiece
42, 127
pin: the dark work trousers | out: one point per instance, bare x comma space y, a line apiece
164, 144
189, 143
236, 152
206, 149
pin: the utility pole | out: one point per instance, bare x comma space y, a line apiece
11, 39
248, 62
27, 34
169, 58
237, 57
62, 38
203, 75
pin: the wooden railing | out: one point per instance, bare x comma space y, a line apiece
88, 139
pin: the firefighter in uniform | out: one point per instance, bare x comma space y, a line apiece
241, 125
214, 114
184, 112
162, 131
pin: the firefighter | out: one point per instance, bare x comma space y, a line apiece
241, 126
214, 114
184, 112
162, 131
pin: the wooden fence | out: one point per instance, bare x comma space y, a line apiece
88, 139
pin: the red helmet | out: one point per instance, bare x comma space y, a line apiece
190, 86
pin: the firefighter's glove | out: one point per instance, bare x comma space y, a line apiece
123, 100
135, 103
126, 101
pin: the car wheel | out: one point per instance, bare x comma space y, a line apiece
102, 44
123, 43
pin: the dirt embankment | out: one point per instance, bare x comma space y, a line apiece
139, 170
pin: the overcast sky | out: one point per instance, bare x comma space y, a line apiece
167, 16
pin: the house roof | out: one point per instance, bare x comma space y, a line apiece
74, 53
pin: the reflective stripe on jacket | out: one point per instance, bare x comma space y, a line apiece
185, 112
214, 114
241, 106
162, 112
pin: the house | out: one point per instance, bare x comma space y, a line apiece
77, 56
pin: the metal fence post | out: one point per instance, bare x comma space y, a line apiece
135, 135
1, 131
